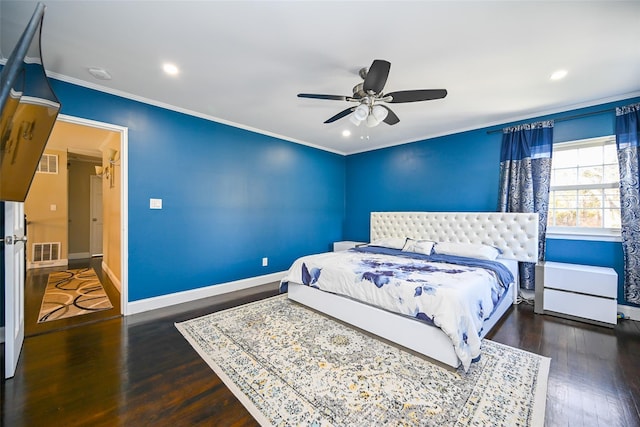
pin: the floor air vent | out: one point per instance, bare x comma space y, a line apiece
43, 252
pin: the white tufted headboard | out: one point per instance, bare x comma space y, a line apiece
515, 234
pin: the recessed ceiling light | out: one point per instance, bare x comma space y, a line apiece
99, 73
346, 133
558, 75
170, 69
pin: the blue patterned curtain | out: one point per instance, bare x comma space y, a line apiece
525, 175
627, 130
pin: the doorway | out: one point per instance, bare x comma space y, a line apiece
73, 139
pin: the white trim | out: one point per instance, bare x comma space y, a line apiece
199, 293
506, 121
500, 122
631, 313
1, 334
583, 236
39, 101
47, 264
112, 276
79, 255
124, 198
188, 112
124, 221
585, 142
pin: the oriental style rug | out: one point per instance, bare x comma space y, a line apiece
72, 293
290, 365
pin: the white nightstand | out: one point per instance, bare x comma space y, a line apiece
345, 245
580, 292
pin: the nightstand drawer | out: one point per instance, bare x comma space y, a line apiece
579, 305
584, 279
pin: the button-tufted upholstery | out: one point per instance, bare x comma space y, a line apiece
515, 234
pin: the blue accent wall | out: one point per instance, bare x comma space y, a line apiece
452, 173
460, 172
230, 196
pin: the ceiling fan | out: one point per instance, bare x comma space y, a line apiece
369, 97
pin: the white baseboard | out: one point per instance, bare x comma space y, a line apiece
48, 264
112, 276
196, 294
80, 255
630, 312
2, 335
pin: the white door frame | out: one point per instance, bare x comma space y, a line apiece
124, 199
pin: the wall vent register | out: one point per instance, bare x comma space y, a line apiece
48, 164
43, 252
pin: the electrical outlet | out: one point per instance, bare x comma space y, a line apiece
265, 261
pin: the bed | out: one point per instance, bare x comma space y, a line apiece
513, 235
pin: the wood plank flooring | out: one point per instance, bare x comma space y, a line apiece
139, 371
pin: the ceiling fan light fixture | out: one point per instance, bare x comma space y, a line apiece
372, 121
361, 112
353, 119
379, 112
368, 95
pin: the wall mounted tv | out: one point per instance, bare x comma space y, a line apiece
29, 111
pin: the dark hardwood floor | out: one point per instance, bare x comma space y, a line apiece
138, 371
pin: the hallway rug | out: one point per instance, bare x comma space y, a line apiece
290, 365
72, 293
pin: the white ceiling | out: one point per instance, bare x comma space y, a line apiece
243, 62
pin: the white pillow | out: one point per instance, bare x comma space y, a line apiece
390, 242
418, 246
469, 250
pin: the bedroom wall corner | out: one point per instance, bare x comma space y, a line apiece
460, 173
230, 196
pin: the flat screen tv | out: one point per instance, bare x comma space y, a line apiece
29, 111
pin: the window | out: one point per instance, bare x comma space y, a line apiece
585, 190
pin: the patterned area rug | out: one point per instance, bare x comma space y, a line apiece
72, 293
290, 365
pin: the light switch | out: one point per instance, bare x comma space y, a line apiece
155, 203
53, 208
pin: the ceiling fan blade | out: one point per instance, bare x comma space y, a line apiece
416, 95
316, 96
391, 118
376, 76
340, 115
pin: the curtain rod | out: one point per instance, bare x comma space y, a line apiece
562, 119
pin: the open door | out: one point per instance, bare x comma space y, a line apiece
95, 230
14, 262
